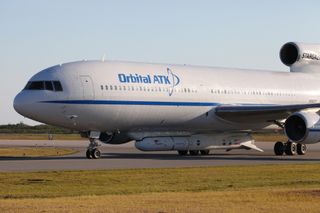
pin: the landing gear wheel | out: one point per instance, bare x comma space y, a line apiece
88, 154
291, 148
95, 153
194, 152
279, 148
301, 149
183, 152
204, 152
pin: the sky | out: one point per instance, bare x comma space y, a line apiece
36, 34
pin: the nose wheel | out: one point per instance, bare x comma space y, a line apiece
93, 152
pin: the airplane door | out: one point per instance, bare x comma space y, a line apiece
87, 87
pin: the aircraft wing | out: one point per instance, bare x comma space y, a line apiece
259, 113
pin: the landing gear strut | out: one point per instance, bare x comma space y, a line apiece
93, 152
289, 148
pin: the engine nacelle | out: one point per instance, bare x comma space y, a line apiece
303, 127
194, 142
293, 53
114, 138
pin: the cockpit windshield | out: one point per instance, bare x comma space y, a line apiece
57, 86
35, 85
44, 85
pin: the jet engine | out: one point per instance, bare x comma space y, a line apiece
115, 138
299, 53
110, 137
303, 127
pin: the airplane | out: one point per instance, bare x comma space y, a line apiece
188, 109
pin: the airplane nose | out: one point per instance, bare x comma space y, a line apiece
23, 104
26, 104
18, 104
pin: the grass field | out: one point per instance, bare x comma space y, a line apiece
4, 136
264, 188
34, 152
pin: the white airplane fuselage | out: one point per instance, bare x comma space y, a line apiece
159, 100
86, 104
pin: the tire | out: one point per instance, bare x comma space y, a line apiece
96, 153
291, 148
204, 152
183, 152
279, 148
194, 152
88, 154
301, 149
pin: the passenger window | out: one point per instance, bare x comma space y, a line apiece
57, 86
48, 85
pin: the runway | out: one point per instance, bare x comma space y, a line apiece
127, 157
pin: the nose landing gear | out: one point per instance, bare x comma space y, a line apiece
92, 151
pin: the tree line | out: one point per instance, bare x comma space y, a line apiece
22, 128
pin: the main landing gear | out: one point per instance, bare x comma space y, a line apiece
193, 152
290, 148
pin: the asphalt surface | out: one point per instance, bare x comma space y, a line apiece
126, 156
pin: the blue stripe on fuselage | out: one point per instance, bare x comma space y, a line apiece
123, 102
314, 130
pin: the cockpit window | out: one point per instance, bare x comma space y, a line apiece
44, 85
35, 85
57, 86
48, 85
